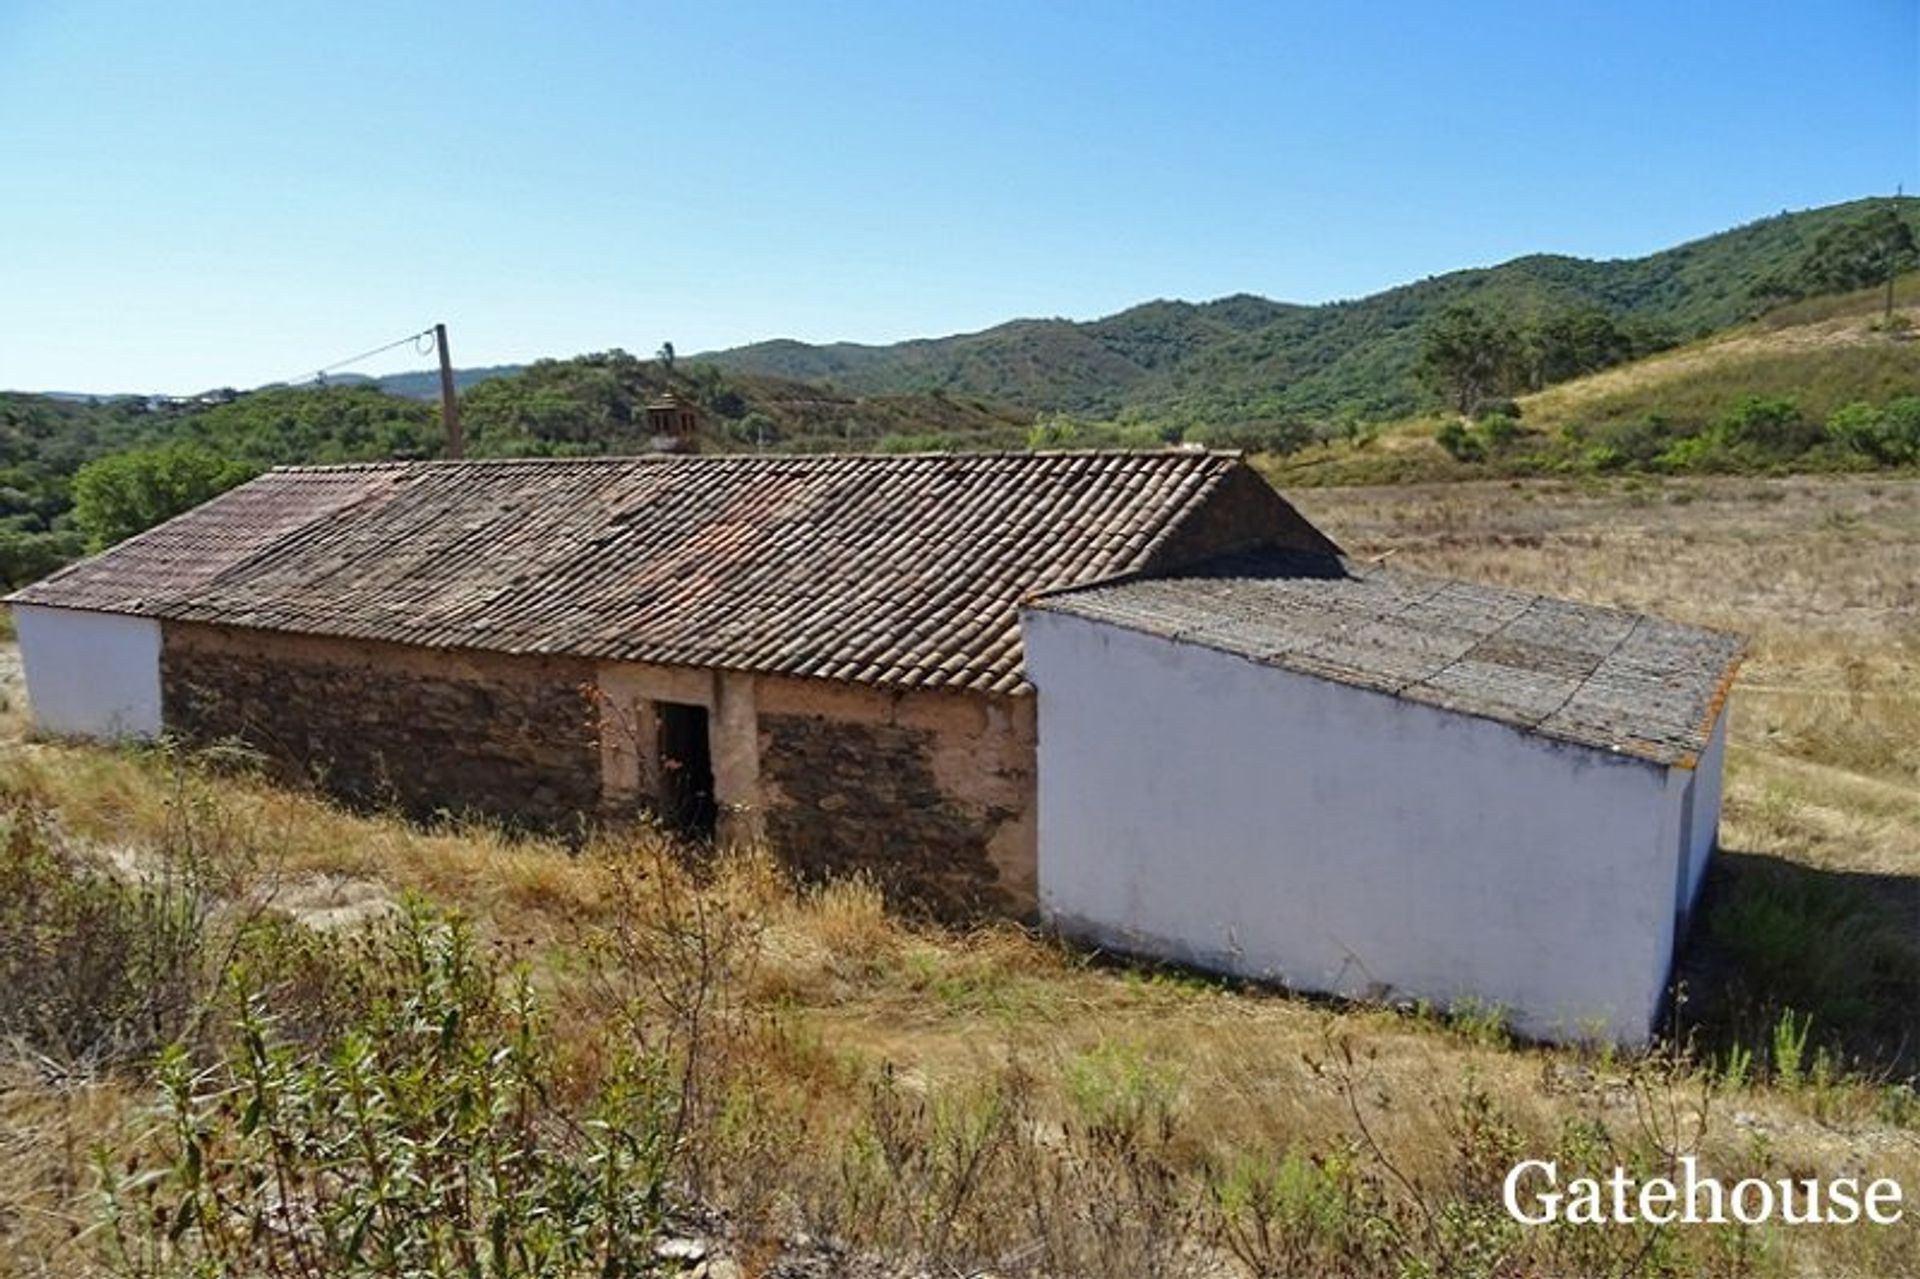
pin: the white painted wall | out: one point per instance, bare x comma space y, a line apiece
90, 674
1201, 807
1707, 778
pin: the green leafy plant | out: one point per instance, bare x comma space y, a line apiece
1790, 1049
424, 1138
1461, 444
1887, 433
1770, 424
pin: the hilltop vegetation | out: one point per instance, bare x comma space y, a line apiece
1551, 364
78, 475
1245, 359
1827, 384
597, 404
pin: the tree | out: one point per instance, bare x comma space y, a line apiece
1470, 356
1569, 344
666, 355
27, 556
1862, 254
127, 493
1870, 250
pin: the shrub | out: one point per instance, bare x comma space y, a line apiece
27, 556
1635, 442
1461, 444
1056, 432
424, 1139
1285, 436
96, 970
1297, 1214
1498, 429
1692, 453
104, 964
1889, 435
1771, 424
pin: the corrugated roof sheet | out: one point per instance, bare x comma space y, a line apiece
1574, 672
902, 571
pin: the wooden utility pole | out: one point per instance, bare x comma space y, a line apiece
449, 402
1893, 257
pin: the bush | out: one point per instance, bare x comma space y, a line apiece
423, 1139
1461, 444
105, 964
1286, 436
1770, 424
1635, 442
1693, 453
96, 971
1499, 429
28, 556
1056, 432
1889, 435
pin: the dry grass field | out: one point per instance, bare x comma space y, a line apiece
859, 1094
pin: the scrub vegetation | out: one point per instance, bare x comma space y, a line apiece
1771, 347
1823, 386
247, 1032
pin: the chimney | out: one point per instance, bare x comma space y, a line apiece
673, 422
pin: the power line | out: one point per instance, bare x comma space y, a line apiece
320, 374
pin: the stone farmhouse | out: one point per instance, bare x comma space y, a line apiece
1136, 694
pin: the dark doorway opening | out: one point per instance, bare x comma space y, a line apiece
686, 770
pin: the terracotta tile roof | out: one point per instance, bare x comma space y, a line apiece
1578, 673
145, 573
891, 570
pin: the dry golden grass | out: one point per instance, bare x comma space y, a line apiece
1799, 344
1821, 354
47, 1139
1823, 576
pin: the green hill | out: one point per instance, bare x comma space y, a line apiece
1829, 383
155, 457
1246, 359
1821, 383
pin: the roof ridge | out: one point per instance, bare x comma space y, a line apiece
1193, 456
895, 569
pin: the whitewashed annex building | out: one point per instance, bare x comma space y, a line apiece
1135, 695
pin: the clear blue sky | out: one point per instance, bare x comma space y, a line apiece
203, 194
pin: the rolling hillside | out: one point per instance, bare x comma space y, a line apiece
1307, 385
589, 404
1806, 362
1245, 358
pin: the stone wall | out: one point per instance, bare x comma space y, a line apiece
929, 793
428, 731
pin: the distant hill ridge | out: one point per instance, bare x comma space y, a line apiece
1246, 358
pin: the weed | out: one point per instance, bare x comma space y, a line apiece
1117, 1087
1790, 1049
422, 1140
